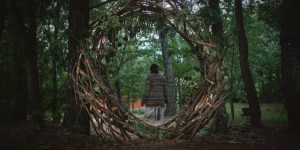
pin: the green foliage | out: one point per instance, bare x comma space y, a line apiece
264, 58
138, 111
77, 128
185, 66
154, 134
271, 113
269, 12
52, 56
263, 42
136, 44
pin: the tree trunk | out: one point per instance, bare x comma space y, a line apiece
171, 107
31, 47
217, 31
231, 91
290, 61
55, 114
2, 17
255, 114
78, 31
22, 93
118, 88
19, 40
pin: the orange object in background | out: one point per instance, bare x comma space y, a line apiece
136, 105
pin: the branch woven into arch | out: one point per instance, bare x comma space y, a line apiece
112, 121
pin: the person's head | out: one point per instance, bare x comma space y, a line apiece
154, 68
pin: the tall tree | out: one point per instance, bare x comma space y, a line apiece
29, 40
54, 60
163, 36
78, 32
31, 50
54, 36
22, 92
52, 44
290, 60
21, 76
2, 17
217, 31
255, 113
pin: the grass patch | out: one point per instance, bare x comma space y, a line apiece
270, 113
138, 111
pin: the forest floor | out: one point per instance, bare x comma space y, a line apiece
240, 137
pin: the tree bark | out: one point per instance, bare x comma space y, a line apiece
231, 91
118, 88
55, 114
31, 47
78, 31
220, 125
171, 107
22, 93
19, 40
290, 61
2, 17
255, 113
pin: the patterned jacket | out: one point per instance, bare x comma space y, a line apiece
156, 93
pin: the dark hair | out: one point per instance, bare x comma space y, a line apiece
154, 68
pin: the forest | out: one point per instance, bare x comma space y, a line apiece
72, 71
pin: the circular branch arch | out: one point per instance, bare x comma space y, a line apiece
108, 116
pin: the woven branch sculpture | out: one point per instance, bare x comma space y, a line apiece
108, 116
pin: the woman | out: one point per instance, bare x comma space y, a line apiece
155, 95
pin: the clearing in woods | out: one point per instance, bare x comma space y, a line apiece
273, 135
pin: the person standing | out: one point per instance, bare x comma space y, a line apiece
155, 95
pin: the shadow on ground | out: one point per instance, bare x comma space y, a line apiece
23, 136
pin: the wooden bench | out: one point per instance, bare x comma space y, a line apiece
245, 112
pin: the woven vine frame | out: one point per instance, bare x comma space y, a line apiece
108, 116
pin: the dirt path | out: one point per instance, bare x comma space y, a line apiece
22, 136
149, 121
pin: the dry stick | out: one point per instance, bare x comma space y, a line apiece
84, 88
194, 103
121, 128
190, 123
203, 84
76, 75
88, 64
125, 127
189, 38
99, 115
107, 113
99, 126
191, 112
198, 111
197, 125
181, 120
93, 124
129, 128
